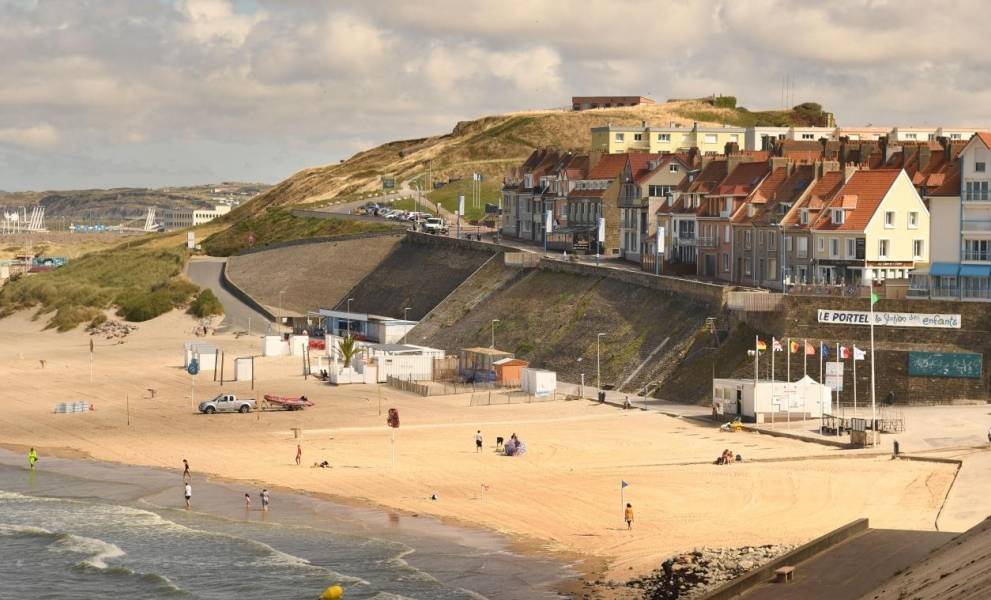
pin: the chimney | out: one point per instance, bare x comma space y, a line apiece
644, 124
925, 152
883, 143
733, 160
829, 166
778, 162
593, 158
732, 148
947, 147
765, 143
693, 157
848, 172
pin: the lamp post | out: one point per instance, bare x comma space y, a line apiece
598, 371
494, 321
581, 390
405, 331
349, 316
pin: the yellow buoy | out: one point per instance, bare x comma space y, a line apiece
334, 592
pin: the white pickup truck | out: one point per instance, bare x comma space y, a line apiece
227, 403
435, 225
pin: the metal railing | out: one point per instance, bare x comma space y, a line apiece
829, 289
982, 196
976, 225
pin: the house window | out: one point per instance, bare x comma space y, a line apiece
726, 234
821, 244
977, 249
956, 136
851, 248
747, 239
725, 262
977, 190
918, 246
980, 167
882, 248
663, 137
911, 136
619, 137
834, 247
734, 137
808, 136
838, 216
637, 137
747, 268
913, 220
772, 240
803, 247
710, 138
673, 168
889, 219
788, 243
772, 269
804, 217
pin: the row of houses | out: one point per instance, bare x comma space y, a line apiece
798, 212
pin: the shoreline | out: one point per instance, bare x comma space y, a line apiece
363, 516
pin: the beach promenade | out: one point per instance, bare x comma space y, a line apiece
562, 496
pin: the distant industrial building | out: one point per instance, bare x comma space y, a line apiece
181, 218
589, 102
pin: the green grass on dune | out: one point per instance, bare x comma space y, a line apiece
141, 283
274, 225
447, 196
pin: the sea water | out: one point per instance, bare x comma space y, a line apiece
93, 537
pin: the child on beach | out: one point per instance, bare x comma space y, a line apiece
628, 515
185, 470
478, 441
32, 458
299, 454
189, 494
265, 499
247, 501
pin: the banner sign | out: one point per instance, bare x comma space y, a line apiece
834, 376
889, 319
944, 364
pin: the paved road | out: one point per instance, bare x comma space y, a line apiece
205, 272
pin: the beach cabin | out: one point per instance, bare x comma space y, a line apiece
767, 400
539, 382
477, 364
507, 370
365, 327
206, 354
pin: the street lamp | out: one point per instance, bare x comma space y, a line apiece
405, 331
494, 321
581, 390
349, 316
598, 372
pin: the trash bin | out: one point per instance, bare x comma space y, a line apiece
602, 397
897, 448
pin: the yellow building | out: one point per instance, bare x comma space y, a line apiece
615, 139
876, 227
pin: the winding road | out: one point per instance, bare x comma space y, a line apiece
206, 273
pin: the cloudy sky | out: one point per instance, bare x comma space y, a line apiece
106, 93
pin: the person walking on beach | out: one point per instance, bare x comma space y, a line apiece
247, 501
299, 454
628, 515
478, 441
186, 477
265, 500
189, 494
32, 458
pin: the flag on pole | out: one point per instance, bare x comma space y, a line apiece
623, 484
824, 350
761, 345
793, 347
844, 353
874, 298
776, 345
810, 350
859, 354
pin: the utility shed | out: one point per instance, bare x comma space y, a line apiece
477, 364
507, 370
805, 398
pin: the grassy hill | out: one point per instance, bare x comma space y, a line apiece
489, 145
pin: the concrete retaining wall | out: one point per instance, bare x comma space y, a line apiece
243, 296
741, 584
398, 232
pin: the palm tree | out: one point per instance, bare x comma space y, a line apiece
347, 349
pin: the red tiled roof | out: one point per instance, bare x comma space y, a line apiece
985, 137
820, 195
608, 167
742, 180
869, 187
708, 178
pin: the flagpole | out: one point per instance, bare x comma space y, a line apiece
756, 372
622, 499
873, 405
840, 360
788, 360
805, 357
821, 353
855, 380
773, 410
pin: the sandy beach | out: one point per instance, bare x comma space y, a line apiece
563, 496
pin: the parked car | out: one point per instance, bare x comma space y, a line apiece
227, 403
435, 225
386, 213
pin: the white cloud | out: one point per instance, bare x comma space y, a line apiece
41, 135
212, 21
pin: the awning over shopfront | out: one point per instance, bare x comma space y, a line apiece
975, 270
944, 269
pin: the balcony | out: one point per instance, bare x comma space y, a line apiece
981, 196
976, 226
708, 242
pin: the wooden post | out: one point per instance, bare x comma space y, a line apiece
223, 359
127, 404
